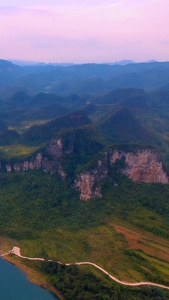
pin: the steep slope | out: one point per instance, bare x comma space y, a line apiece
41, 133
119, 95
140, 165
9, 137
160, 102
22, 110
44, 99
18, 100
45, 217
121, 126
132, 98
47, 112
9, 73
140, 118
76, 152
22, 100
64, 154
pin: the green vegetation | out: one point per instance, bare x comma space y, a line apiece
121, 126
126, 231
49, 220
42, 133
75, 283
84, 142
18, 146
85, 283
16, 151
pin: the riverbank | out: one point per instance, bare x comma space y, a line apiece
16, 251
73, 281
33, 275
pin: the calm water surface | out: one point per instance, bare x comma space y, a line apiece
14, 285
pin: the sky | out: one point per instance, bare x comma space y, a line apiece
83, 31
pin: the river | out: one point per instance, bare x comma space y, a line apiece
14, 285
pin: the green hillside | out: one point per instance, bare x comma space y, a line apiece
121, 126
126, 231
74, 117
38, 134
85, 142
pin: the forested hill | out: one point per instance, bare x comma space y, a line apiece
84, 174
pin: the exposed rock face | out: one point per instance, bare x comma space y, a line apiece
33, 164
85, 183
140, 166
55, 148
8, 168
47, 160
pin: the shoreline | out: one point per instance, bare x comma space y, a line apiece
32, 275
14, 256
17, 251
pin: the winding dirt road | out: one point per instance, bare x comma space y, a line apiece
16, 251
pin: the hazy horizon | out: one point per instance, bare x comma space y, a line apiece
56, 31
122, 62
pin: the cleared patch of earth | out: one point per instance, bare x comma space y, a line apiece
154, 247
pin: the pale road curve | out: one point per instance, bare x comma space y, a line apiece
16, 251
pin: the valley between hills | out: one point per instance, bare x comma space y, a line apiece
84, 177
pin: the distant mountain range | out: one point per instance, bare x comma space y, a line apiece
85, 79
36, 63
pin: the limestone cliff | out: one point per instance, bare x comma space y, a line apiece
87, 182
140, 166
46, 159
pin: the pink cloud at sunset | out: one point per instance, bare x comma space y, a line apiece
66, 31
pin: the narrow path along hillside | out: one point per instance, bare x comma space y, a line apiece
16, 251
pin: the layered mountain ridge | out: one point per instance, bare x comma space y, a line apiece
139, 164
